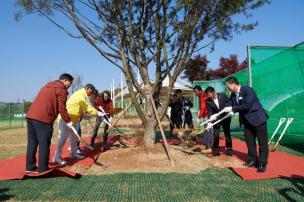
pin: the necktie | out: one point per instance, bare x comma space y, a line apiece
237, 98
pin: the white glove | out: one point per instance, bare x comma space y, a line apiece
110, 119
209, 126
231, 113
101, 109
70, 125
213, 117
227, 109
187, 108
100, 114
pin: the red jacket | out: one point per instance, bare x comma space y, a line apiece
50, 101
203, 112
107, 106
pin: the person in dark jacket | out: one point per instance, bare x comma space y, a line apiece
252, 114
102, 101
184, 109
215, 103
50, 101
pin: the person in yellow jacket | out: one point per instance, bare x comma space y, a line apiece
77, 104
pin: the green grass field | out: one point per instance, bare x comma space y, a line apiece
211, 185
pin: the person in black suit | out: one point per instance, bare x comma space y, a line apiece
184, 108
252, 114
175, 115
215, 103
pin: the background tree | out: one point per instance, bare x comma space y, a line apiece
77, 82
196, 69
155, 37
227, 67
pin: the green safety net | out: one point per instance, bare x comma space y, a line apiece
278, 79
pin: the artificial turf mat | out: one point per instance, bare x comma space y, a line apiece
212, 184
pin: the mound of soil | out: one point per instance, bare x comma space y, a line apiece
137, 158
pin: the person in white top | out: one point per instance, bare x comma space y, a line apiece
215, 103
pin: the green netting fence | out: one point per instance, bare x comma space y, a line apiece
277, 75
12, 115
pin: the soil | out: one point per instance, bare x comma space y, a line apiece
137, 158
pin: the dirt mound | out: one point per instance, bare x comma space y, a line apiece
137, 158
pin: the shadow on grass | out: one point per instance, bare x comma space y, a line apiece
4, 196
291, 192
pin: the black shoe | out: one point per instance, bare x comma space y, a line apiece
261, 168
92, 142
34, 169
43, 170
251, 164
216, 153
229, 152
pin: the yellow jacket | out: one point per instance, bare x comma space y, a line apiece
77, 104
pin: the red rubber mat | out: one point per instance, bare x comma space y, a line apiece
14, 168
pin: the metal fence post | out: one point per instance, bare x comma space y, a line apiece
9, 115
22, 116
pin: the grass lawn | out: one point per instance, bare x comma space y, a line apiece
210, 185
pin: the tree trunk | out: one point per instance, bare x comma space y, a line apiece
150, 126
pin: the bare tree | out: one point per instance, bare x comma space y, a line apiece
156, 36
77, 82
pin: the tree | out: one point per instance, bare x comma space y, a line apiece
77, 82
227, 67
156, 36
196, 69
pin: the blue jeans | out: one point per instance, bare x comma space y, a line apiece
208, 135
208, 138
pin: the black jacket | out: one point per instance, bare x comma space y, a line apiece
211, 106
249, 106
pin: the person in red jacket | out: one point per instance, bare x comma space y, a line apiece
50, 101
203, 114
102, 101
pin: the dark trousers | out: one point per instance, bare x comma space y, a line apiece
175, 123
78, 129
95, 131
216, 135
259, 132
38, 134
189, 123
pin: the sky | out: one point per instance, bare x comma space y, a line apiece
33, 51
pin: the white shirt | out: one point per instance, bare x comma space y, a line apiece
215, 100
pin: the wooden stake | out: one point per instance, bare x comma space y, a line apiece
121, 116
161, 130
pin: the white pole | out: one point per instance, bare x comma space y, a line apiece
138, 78
113, 94
121, 89
249, 67
111, 90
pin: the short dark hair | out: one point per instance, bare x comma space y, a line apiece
90, 86
198, 88
209, 89
66, 76
178, 91
232, 80
95, 92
